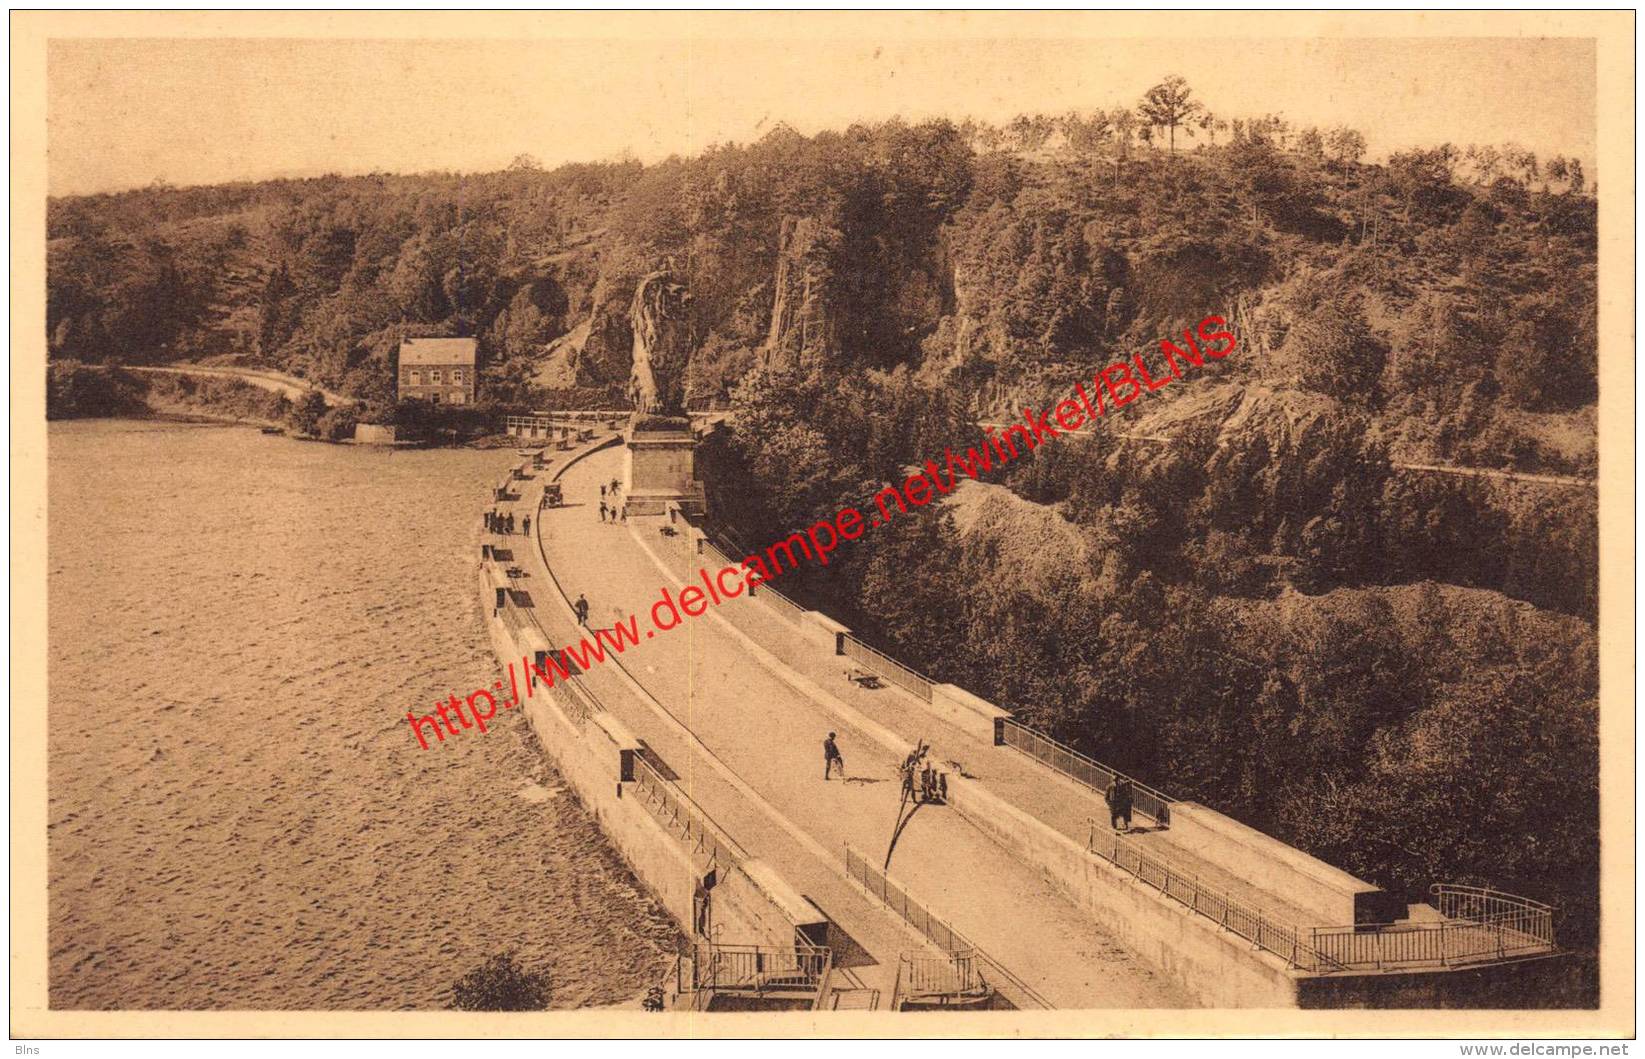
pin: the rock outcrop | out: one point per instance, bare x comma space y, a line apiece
804, 331
661, 326
601, 358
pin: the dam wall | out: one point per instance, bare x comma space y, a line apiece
1217, 968
589, 762
739, 899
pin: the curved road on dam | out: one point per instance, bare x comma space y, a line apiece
731, 726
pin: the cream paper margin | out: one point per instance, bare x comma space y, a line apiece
1613, 32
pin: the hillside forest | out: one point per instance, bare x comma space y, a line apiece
1239, 589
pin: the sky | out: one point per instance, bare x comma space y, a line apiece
123, 113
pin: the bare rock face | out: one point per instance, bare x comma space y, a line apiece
602, 356
804, 330
662, 345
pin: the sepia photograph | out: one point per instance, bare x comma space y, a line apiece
821, 524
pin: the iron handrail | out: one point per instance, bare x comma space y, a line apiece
910, 680
675, 808
937, 931
1185, 888
1083, 769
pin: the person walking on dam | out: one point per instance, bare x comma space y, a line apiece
1118, 797
581, 609
832, 757
602, 503
526, 526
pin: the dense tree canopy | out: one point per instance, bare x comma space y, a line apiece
1238, 589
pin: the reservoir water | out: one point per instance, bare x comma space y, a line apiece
238, 816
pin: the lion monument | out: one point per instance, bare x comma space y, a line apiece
662, 345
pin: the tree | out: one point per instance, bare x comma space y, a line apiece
1334, 353
1170, 104
1125, 127
1209, 123
1346, 145
306, 415
1548, 361
501, 984
1573, 172
1422, 176
525, 163
1311, 146
1556, 169
1484, 161
1521, 163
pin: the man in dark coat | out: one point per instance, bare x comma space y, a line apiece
831, 757
1118, 797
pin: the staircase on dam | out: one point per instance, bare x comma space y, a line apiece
1015, 892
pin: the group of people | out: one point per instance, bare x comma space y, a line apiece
617, 511
920, 779
921, 782
500, 523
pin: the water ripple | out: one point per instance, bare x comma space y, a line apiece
236, 816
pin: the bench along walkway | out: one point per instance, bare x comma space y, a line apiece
1060, 802
710, 698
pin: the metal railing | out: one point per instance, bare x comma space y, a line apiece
719, 557
1076, 766
938, 932
1476, 904
760, 969
1281, 939
894, 897
953, 976
1478, 925
786, 608
576, 701
1426, 944
914, 683
675, 809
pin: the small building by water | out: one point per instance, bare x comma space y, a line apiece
438, 370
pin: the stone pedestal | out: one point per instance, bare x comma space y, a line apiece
659, 467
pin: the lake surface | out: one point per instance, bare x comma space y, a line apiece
238, 815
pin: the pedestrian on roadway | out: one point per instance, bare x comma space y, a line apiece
831, 756
602, 507
1118, 795
602, 490
581, 609
613, 487
527, 524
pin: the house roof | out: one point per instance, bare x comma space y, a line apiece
437, 351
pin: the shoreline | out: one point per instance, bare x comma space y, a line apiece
485, 442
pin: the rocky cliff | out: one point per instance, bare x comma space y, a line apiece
804, 327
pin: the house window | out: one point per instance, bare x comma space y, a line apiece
457, 375
434, 398
457, 397
416, 378
434, 377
